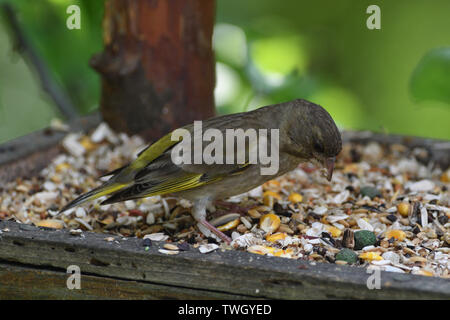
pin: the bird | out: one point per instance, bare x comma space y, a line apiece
306, 133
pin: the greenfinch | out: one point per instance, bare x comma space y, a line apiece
304, 132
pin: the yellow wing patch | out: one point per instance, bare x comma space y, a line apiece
153, 151
188, 181
108, 190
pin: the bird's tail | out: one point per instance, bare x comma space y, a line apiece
103, 190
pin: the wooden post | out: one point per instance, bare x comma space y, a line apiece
157, 66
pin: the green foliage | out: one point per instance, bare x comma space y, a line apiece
431, 77
266, 53
67, 52
279, 55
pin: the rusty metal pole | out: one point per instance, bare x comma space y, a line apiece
157, 66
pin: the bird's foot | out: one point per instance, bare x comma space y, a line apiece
215, 231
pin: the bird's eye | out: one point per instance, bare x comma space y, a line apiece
318, 147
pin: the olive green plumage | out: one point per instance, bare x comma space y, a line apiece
306, 132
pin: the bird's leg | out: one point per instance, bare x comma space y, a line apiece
232, 207
199, 214
211, 207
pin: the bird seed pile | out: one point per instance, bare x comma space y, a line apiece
384, 207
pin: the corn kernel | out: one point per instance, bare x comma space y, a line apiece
269, 222
403, 209
396, 234
283, 253
228, 226
335, 232
271, 184
62, 166
273, 194
445, 177
268, 201
262, 250
256, 249
295, 197
87, 143
424, 273
276, 236
369, 256
269, 196
50, 223
269, 250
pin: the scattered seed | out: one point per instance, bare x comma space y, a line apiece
269, 223
230, 225
169, 252
396, 234
207, 248
295, 197
364, 238
170, 246
369, 256
401, 198
156, 236
276, 236
51, 223
347, 255
403, 208
76, 232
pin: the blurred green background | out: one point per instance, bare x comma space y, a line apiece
393, 80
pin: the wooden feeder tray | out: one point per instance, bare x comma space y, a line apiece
34, 261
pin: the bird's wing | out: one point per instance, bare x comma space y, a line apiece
123, 177
153, 172
156, 175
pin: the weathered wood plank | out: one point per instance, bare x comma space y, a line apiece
228, 272
25, 282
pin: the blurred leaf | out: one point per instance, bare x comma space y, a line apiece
259, 101
279, 56
342, 105
294, 86
66, 52
431, 78
227, 84
230, 44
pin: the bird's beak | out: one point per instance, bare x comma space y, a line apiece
329, 165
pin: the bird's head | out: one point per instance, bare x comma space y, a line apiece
312, 134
